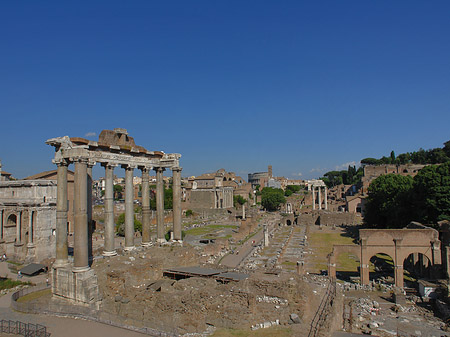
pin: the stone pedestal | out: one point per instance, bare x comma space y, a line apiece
79, 288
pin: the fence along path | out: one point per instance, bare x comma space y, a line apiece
321, 313
23, 329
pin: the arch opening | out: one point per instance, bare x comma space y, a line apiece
416, 266
381, 268
11, 221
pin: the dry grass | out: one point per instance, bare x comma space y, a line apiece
35, 295
269, 332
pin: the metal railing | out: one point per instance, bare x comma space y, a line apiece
23, 329
321, 313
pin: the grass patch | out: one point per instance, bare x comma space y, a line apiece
6, 283
35, 295
322, 245
15, 263
270, 332
289, 263
347, 262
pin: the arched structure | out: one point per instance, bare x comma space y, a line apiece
397, 243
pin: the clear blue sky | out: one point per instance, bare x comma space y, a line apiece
306, 86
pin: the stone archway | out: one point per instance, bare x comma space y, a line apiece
418, 265
399, 244
381, 265
396, 243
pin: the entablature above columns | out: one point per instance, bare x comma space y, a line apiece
67, 151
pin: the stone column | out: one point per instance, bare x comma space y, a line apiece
160, 205
19, 228
313, 198
436, 259
398, 264
326, 199
319, 199
89, 209
266, 236
81, 247
30, 243
109, 249
2, 212
364, 263
243, 212
129, 209
177, 203
146, 221
61, 216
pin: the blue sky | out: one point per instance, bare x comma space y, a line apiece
307, 86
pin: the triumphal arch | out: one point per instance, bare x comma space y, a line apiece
114, 148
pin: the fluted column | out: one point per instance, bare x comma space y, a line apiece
61, 216
129, 209
160, 205
326, 199
145, 206
177, 203
313, 198
109, 249
81, 248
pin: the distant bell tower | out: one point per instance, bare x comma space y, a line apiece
270, 171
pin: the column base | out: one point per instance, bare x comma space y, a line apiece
146, 244
128, 249
180, 242
60, 263
80, 269
111, 253
161, 241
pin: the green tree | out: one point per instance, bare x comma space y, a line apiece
118, 192
238, 200
168, 199
120, 225
388, 203
431, 193
370, 161
271, 198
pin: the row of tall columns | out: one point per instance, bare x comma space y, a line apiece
83, 211
319, 196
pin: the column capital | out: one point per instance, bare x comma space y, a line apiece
82, 160
109, 165
159, 169
177, 169
91, 163
128, 166
61, 162
145, 168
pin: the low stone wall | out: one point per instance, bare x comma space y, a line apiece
327, 218
83, 312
